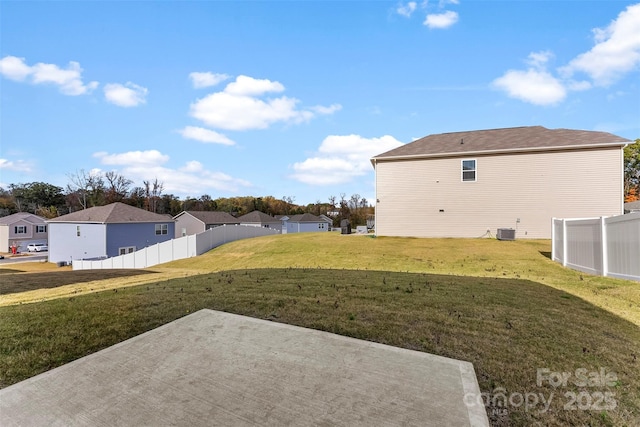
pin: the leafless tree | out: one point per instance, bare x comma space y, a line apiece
118, 187
153, 191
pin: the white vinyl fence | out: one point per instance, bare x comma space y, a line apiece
182, 247
604, 246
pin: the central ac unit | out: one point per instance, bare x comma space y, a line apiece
506, 234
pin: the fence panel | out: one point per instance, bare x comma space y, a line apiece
605, 246
180, 248
584, 243
623, 246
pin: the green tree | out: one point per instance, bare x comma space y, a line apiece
632, 171
34, 196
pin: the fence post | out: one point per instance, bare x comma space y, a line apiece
605, 251
553, 239
564, 242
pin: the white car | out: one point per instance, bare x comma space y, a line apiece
37, 247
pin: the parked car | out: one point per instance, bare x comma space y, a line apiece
37, 247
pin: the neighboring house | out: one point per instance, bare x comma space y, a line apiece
469, 184
194, 222
632, 207
21, 229
106, 231
305, 223
260, 219
327, 219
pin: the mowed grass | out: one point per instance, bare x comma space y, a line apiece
504, 306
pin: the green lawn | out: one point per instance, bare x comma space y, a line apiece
504, 306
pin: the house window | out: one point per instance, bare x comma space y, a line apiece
126, 250
162, 229
41, 228
321, 226
468, 170
78, 230
21, 229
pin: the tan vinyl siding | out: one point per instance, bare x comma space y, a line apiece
532, 187
4, 238
193, 225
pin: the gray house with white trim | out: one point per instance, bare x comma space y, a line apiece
106, 231
305, 223
21, 229
260, 219
194, 222
469, 184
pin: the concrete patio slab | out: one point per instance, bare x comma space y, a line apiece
212, 368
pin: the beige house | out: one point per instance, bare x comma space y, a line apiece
21, 229
470, 184
194, 222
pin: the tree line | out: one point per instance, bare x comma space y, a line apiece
85, 190
632, 172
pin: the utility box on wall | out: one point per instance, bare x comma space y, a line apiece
506, 234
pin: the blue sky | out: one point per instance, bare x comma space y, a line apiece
284, 98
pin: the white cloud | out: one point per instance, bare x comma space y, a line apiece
248, 86
239, 106
18, 166
205, 135
190, 179
137, 158
69, 79
207, 79
14, 68
441, 20
534, 86
539, 60
407, 9
326, 110
617, 50
341, 158
127, 95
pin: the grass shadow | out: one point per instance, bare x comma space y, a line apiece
508, 328
13, 281
546, 254
10, 270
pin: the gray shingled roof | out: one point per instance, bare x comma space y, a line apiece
115, 213
257, 217
21, 216
305, 217
213, 217
531, 138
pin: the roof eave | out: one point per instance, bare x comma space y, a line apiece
500, 151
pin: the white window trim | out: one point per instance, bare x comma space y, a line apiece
126, 250
20, 229
162, 229
475, 170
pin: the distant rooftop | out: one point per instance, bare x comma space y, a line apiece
115, 213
